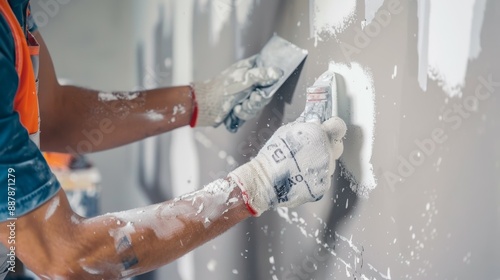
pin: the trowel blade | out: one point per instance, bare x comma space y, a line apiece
280, 53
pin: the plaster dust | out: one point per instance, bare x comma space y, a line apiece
153, 116
350, 261
119, 95
355, 100
330, 17
395, 72
210, 203
446, 61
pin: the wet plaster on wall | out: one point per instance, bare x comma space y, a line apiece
330, 17
355, 102
447, 40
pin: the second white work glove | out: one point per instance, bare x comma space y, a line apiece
234, 93
294, 166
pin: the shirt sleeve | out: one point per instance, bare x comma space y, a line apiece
26, 181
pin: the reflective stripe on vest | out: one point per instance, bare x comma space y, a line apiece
26, 100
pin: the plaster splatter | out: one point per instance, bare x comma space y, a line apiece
119, 95
395, 72
211, 265
179, 109
330, 17
153, 115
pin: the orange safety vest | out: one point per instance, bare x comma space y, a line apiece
26, 53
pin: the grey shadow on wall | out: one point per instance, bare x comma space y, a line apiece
153, 150
154, 176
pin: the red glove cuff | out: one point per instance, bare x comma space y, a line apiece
246, 200
194, 105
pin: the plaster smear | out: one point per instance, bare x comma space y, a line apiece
446, 60
153, 115
330, 17
371, 8
243, 10
52, 208
477, 26
220, 12
119, 95
355, 100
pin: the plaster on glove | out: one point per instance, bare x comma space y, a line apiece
294, 166
217, 97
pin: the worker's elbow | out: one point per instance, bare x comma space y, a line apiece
56, 271
61, 263
64, 271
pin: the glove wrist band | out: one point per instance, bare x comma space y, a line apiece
194, 106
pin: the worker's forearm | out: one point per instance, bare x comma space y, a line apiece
83, 120
55, 243
143, 239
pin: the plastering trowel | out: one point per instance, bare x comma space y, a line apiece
319, 98
280, 53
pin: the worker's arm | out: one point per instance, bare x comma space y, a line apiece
75, 119
55, 243
294, 167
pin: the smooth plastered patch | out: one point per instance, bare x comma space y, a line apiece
355, 104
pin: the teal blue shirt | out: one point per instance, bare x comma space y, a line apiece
31, 180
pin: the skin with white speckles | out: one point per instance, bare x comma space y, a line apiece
112, 96
153, 115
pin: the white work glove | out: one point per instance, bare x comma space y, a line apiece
234, 95
294, 166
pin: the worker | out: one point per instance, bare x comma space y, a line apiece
37, 224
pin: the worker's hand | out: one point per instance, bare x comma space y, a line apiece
234, 95
294, 166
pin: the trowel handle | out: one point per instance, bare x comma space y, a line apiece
232, 122
319, 99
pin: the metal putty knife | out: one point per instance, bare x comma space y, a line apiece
280, 53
